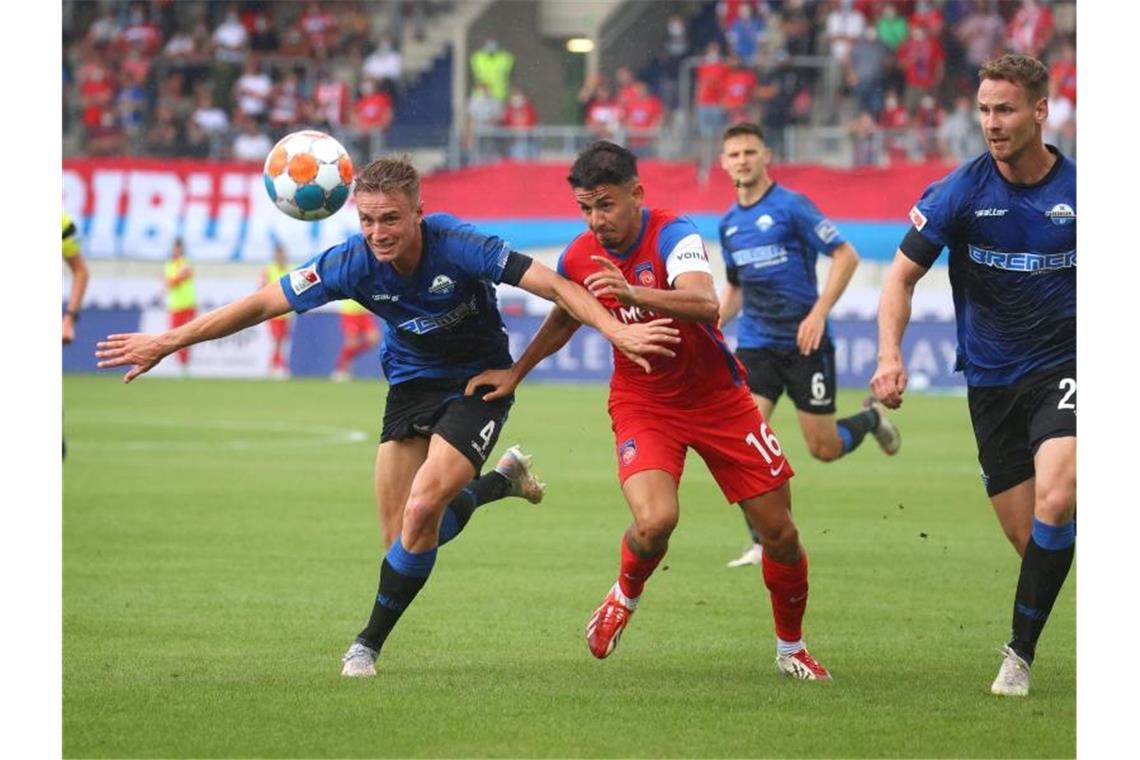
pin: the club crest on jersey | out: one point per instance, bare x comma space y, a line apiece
628, 452
917, 218
764, 223
441, 284
301, 280
644, 274
1062, 213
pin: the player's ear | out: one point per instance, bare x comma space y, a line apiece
638, 192
1041, 111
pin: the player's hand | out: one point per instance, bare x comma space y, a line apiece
68, 329
502, 381
139, 351
889, 382
810, 333
609, 282
639, 341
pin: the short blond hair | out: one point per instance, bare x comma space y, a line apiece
387, 174
1022, 70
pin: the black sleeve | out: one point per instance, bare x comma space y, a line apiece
69, 231
732, 276
918, 249
516, 266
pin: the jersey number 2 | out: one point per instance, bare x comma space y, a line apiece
1069, 385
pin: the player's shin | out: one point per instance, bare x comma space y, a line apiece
853, 429
490, 487
788, 589
635, 570
402, 575
1044, 567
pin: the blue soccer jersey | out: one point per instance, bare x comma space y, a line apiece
440, 322
770, 250
1013, 265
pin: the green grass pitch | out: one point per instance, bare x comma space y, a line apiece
221, 550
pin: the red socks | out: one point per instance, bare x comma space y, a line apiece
788, 587
635, 570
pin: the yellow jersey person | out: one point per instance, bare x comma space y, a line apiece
360, 334
73, 257
181, 295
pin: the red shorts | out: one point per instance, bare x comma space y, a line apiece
279, 328
357, 324
741, 451
181, 317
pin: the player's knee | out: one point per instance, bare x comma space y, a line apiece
1055, 502
656, 527
825, 449
782, 543
422, 510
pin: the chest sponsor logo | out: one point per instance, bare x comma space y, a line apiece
1023, 262
424, 325
760, 256
301, 280
764, 223
441, 284
1062, 213
627, 452
826, 231
385, 297
917, 218
643, 273
982, 212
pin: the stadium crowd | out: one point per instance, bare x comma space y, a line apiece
225, 80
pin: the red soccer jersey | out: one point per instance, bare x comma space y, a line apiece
666, 247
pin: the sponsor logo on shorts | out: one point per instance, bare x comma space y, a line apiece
1062, 213
644, 274
917, 218
627, 452
301, 280
441, 284
774, 471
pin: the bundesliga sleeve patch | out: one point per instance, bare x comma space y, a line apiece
917, 218
687, 256
826, 231
301, 280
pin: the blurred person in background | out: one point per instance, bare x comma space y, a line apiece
1031, 28
318, 26
926, 120
262, 30
231, 45
252, 89
786, 97
981, 33
252, 144
181, 295
845, 24
603, 114
865, 140
644, 114
625, 87
927, 16
332, 100
384, 64
959, 137
373, 111
741, 99
1060, 127
208, 116
131, 105
709, 101
923, 62
894, 121
80, 275
747, 33
1063, 71
891, 27
359, 332
797, 29
676, 49
492, 66
521, 115
866, 71
285, 104
278, 326
484, 111
162, 138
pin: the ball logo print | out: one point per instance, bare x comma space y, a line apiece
308, 175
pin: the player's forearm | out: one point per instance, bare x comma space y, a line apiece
552, 335
79, 279
894, 315
226, 320
583, 308
730, 302
844, 261
690, 304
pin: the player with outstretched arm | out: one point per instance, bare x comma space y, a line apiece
431, 279
1009, 220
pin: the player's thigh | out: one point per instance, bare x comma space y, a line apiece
739, 447
444, 473
765, 379
1051, 398
396, 466
765, 405
811, 380
652, 499
647, 438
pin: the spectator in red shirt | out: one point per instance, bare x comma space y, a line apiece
318, 27
740, 102
603, 114
927, 17
1030, 29
332, 100
927, 119
373, 111
923, 62
626, 84
1064, 71
520, 114
893, 120
645, 113
709, 100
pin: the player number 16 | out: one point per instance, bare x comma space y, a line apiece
766, 443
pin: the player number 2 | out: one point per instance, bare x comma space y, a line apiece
768, 444
1069, 385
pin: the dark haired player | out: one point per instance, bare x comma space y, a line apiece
645, 263
431, 279
1009, 220
770, 239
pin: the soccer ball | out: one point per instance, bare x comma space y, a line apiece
308, 175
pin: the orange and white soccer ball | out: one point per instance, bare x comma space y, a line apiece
308, 175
